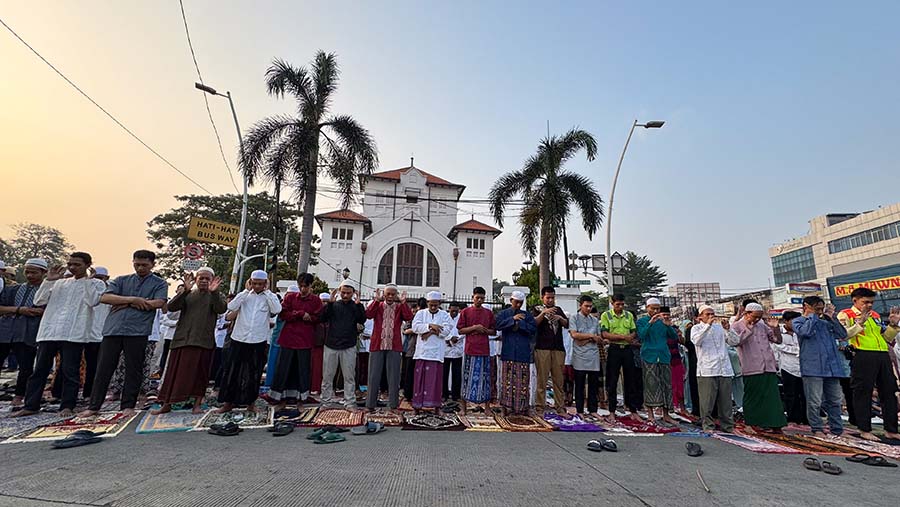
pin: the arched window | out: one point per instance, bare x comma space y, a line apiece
386, 267
432, 271
410, 257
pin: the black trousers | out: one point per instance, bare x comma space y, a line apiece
873, 369
25, 355
593, 382
91, 355
848, 399
409, 373
134, 349
452, 387
164, 357
70, 365
619, 357
794, 399
292, 374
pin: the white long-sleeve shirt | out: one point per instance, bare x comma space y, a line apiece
455, 351
712, 351
167, 324
97, 321
789, 353
70, 304
255, 310
432, 348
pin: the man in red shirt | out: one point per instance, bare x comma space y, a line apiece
477, 323
388, 311
300, 313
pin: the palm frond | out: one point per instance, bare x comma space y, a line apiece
282, 77
574, 141
259, 139
582, 193
325, 75
503, 190
356, 142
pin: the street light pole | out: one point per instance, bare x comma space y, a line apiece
612, 194
237, 268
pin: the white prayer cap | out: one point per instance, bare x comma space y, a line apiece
390, 286
433, 296
325, 296
653, 301
348, 283
754, 307
293, 288
518, 295
38, 263
259, 275
206, 269
703, 308
100, 270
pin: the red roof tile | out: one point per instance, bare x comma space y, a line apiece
476, 226
429, 178
343, 214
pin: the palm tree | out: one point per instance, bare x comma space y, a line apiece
548, 193
292, 149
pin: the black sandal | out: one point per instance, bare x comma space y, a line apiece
878, 461
693, 449
831, 469
858, 458
812, 464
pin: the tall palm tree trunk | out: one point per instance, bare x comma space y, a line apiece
544, 261
309, 212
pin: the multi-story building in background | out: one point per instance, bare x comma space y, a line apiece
695, 294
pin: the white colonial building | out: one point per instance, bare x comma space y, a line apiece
408, 235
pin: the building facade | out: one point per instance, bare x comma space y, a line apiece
695, 294
848, 245
407, 234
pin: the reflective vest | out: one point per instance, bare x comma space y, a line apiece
870, 338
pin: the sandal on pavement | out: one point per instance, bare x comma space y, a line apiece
329, 438
283, 428
878, 461
693, 449
609, 445
595, 446
858, 458
77, 439
812, 464
831, 469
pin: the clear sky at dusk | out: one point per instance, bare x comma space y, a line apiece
776, 111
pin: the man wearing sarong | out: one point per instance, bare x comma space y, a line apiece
246, 355
518, 331
194, 343
654, 331
388, 312
477, 324
432, 327
762, 402
300, 312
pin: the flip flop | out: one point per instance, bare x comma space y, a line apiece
330, 438
889, 441
609, 445
812, 464
365, 429
281, 429
858, 458
77, 439
878, 461
831, 469
225, 430
693, 449
595, 446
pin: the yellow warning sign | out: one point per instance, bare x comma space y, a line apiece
211, 231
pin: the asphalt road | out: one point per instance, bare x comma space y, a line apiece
418, 468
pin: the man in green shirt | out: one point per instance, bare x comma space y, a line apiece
617, 327
654, 331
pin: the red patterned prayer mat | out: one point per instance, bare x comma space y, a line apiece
339, 417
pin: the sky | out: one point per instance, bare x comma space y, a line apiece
775, 112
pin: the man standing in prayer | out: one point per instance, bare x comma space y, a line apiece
518, 331
585, 330
168, 321
318, 350
92, 347
549, 351
194, 343
20, 319
871, 367
453, 357
714, 372
388, 312
246, 356
64, 329
477, 324
432, 327
343, 316
300, 312
762, 401
789, 364
821, 364
654, 330
134, 299
619, 330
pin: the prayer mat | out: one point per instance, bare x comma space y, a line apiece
573, 424
523, 423
385, 418
303, 417
262, 418
807, 445
406, 406
339, 417
889, 451
176, 420
755, 445
480, 422
646, 427
106, 425
10, 426
433, 422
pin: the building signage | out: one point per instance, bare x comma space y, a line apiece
796, 301
882, 284
210, 231
807, 289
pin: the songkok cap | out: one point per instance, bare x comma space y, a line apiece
325, 296
293, 288
754, 307
38, 263
703, 308
259, 275
100, 270
518, 295
653, 301
433, 296
206, 269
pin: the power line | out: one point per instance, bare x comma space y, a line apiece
205, 99
101, 108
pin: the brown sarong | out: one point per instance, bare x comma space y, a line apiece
187, 374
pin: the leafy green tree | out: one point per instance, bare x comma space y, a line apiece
549, 193
642, 280
34, 240
529, 277
298, 149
